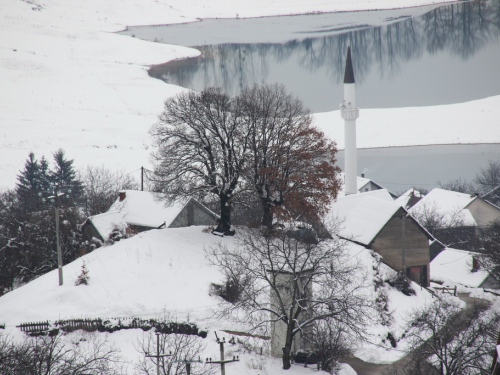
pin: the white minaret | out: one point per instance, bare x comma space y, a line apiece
350, 113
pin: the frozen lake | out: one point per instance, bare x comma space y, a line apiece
402, 58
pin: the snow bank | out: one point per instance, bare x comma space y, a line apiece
395, 127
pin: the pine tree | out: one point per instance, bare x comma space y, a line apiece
84, 277
64, 176
30, 184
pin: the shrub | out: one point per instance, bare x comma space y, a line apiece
401, 283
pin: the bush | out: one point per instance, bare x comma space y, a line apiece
401, 283
230, 291
329, 345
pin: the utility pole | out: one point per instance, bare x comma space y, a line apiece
142, 178
188, 363
59, 252
158, 355
222, 361
55, 198
403, 233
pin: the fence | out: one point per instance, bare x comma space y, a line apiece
451, 291
34, 327
110, 325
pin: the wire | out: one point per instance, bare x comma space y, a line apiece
126, 174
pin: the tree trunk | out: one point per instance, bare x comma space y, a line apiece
286, 357
267, 215
224, 225
287, 350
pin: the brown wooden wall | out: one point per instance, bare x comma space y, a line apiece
389, 242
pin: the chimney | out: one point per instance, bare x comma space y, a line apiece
475, 264
122, 195
362, 175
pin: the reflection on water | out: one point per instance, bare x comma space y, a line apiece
448, 55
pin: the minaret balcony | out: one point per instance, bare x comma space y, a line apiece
349, 114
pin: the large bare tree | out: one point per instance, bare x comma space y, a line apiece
201, 148
307, 280
488, 178
446, 340
291, 164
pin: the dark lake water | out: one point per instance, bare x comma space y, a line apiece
411, 57
400, 168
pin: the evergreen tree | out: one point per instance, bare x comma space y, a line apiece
44, 174
30, 184
64, 176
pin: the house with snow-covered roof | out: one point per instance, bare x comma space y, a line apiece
138, 211
363, 185
409, 198
460, 267
375, 221
460, 215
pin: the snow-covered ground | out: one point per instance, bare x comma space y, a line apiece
165, 272
68, 81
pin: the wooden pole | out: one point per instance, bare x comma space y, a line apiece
157, 353
142, 178
403, 230
59, 253
222, 364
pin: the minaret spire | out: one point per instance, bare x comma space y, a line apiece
349, 71
350, 113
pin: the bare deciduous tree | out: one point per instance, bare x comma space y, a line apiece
448, 227
201, 148
101, 187
459, 184
272, 262
451, 340
56, 354
291, 164
488, 178
489, 245
183, 348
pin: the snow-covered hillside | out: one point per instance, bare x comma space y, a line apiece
68, 81
165, 272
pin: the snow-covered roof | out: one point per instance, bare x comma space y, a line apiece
363, 215
405, 199
360, 183
106, 222
452, 266
451, 204
146, 209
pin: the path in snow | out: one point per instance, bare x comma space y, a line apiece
365, 368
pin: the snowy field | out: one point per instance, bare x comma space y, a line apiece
68, 81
